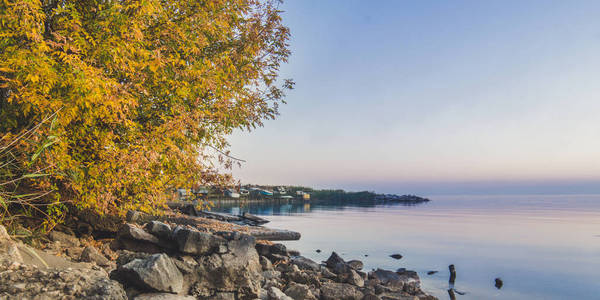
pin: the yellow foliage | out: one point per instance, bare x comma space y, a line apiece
145, 89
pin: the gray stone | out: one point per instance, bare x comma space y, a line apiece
196, 242
237, 271
91, 254
371, 297
272, 274
299, 292
352, 277
276, 294
265, 263
163, 296
30, 282
340, 291
355, 264
64, 239
128, 231
156, 273
3, 233
133, 216
263, 249
279, 249
305, 263
159, 229
333, 260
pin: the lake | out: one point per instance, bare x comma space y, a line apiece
542, 247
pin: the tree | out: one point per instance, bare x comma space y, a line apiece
147, 90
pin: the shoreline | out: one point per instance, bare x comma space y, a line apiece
178, 256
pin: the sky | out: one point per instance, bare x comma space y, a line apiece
435, 97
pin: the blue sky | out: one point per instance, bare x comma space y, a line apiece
436, 97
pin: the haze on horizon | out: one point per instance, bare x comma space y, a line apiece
435, 97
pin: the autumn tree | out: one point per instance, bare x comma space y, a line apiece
145, 92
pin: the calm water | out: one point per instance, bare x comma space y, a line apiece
543, 247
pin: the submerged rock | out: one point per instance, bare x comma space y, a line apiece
356, 264
333, 260
396, 256
498, 283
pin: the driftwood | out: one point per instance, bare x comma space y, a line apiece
274, 234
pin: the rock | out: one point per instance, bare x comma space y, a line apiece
304, 263
387, 278
292, 252
159, 229
263, 249
396, 256
356, 264
30, 282
371, 297
238, 271
64, 239
241, 243
299, 292
333, 260
276, 294
196, 242
9, 251
265, 263
278, 249
268, 275
498, 283
128, 231
91, 254
4, 234
351, 277
133, 216
163, 296
431, 272
327, 274
340, 291
155, 273
224, 296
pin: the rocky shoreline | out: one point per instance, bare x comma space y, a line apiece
187, 260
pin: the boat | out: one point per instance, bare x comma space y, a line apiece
231, 193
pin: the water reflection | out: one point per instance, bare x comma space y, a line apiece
286, 207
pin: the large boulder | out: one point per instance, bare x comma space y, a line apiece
237, 271
340, 291
155, 273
